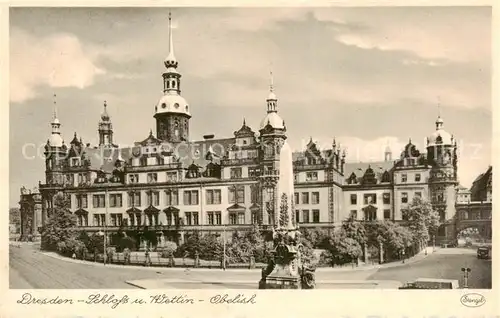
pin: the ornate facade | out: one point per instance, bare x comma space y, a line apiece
172, 185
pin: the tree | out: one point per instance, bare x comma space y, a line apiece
15, 218
355, 230
422, 219
342, 249
60, 226
318, 238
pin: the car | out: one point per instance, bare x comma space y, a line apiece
483, 252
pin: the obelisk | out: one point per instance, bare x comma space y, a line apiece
285, 190
283, 271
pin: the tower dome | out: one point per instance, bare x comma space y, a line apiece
274, 120
105, 115
171, 103
439, 136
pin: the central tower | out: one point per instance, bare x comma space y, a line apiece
172, 110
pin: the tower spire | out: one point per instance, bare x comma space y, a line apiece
439, 120
170, 61
54, 111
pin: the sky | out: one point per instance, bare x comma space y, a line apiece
370, 77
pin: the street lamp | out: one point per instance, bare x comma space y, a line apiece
466, 271
224, 246
105, 225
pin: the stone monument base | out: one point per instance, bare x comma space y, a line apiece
282, 282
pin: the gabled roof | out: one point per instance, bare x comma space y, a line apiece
481, 185
359, 169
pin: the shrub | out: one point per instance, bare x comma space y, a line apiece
168, 249
127, 242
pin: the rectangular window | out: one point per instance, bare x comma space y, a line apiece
386, 198
133, 178
237, 194
297, 216
417, 177
387, 214
296, 194
254, 193
210, 218
252, 172
134, 199
255, 218
312, 176
315, 197
171, 176
99, 201
315, 216
153, 198
305, 197
115, 200
218, 218
295, 177
305, 216
172, 197
189, 220
404, 177
191, 197
152, 177
196, 219
370, 198
213, 196
232, 218
354, 199
404, 197
241, 218
81, 201
236, 173
354, 214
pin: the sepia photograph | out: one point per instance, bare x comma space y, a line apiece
250, 148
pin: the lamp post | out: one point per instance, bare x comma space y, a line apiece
224, 246
466, 271
105, 222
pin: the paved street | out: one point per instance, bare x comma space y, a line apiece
31, 269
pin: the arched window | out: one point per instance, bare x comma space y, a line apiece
168, 84
173, 84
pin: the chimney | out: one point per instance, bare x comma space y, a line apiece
207, 137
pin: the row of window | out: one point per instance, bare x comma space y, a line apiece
152, 177
236, 194
305, 198
310, 176
404, 177
371, 215
191, 218
305, 216
371, 198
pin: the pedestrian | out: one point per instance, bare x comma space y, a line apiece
74, 255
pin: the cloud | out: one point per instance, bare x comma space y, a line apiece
59, 60
428, 33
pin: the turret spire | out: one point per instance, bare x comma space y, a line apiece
271, 99
55, 121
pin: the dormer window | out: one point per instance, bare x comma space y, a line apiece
75, 162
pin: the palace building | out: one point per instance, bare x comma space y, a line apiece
172, 185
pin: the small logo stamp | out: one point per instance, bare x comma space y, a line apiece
473, 300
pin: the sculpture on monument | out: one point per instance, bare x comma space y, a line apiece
286, 270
